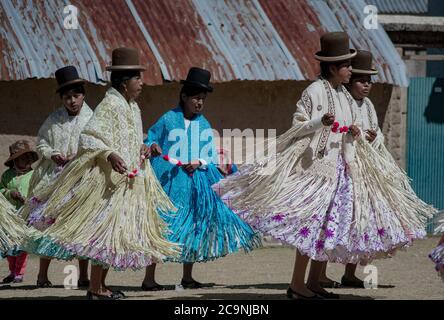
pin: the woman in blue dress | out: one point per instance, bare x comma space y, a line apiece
203, 225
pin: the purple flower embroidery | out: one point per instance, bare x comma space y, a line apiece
35, 201
330, 218
366, 237
315, 217
329, 233
304, 232
381, 232
278, 218
319, 245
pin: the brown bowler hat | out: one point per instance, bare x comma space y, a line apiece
19, 148
124, 59
362, 63
67, 76
335, 47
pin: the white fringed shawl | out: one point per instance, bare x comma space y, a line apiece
295, 182
91, 202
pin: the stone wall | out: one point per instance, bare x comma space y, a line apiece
394, 125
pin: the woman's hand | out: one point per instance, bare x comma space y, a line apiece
145, 152
355, 131
117, 163
155, 150
59, 159
15, 195
371, 135
328, 119
192, 166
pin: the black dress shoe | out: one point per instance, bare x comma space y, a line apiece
94, 296
352, 283
116, 292
330, 284
327, 295
191, 284
44, 284
8, 279
83, 284
156, 287
297, 296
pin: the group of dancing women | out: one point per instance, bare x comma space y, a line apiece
102, 194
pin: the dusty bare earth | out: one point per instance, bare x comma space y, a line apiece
262, 274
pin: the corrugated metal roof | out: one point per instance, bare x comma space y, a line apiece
235, 39
401, 6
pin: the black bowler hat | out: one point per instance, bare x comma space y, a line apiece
199, 78
67, 76
335, 47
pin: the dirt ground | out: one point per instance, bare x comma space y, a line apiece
262, 274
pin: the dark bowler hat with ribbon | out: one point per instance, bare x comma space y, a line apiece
67, 76
199, 78
335, 47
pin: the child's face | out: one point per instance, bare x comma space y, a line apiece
73, 102
361, 86
24, 162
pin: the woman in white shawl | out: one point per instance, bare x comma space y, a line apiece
383, 195
305, 198
57, 144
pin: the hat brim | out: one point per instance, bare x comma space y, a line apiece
125, 68
9, 162
209, 88
369, 72
318, 56
69, 83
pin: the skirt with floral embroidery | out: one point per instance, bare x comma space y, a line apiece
437, 256
332, 235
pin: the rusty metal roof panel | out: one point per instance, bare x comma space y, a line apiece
109, 24
300, 35
401, 6
36, 42
182, 38
234, 39
247, 38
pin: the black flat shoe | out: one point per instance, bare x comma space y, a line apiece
296, 296
83, 284
191, 284
156, 287
94, 296
352, 283
116, 292
44, 284
327, 295
8, 279
330, 284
